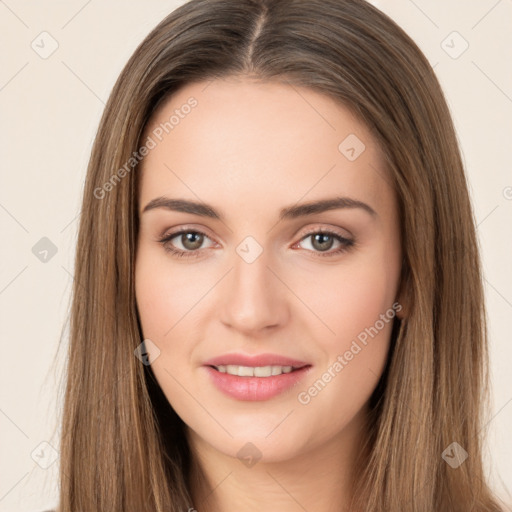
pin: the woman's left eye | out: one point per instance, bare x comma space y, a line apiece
324, 240
191, 241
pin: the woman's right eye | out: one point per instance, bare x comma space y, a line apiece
190, 240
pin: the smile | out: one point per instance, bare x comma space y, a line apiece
254, 371
253, 383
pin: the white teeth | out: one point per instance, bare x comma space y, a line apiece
264, 371
253, 371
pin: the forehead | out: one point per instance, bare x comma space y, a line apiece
246, 143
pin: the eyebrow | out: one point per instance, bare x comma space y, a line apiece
290, 212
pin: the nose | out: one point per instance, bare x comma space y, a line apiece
254, 298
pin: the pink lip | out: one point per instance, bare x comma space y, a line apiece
255, 388
258, 360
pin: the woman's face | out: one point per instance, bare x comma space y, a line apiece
277, 203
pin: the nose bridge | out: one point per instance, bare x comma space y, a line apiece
253, 298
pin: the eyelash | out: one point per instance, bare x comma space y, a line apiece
346, 243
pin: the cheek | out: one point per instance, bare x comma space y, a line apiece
355, 304
350, 298
366, 295
165, 294
165, 297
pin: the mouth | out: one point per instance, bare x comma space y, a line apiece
255, 383
256, 371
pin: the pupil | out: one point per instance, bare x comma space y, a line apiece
321, 237
189, 242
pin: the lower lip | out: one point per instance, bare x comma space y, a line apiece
255, 388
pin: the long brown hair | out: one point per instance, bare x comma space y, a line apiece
123, 447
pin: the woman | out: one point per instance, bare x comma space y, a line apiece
278, 300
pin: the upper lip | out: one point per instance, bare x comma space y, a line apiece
256, 360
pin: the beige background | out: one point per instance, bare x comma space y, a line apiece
50, 108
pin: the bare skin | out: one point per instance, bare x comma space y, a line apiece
250, 149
